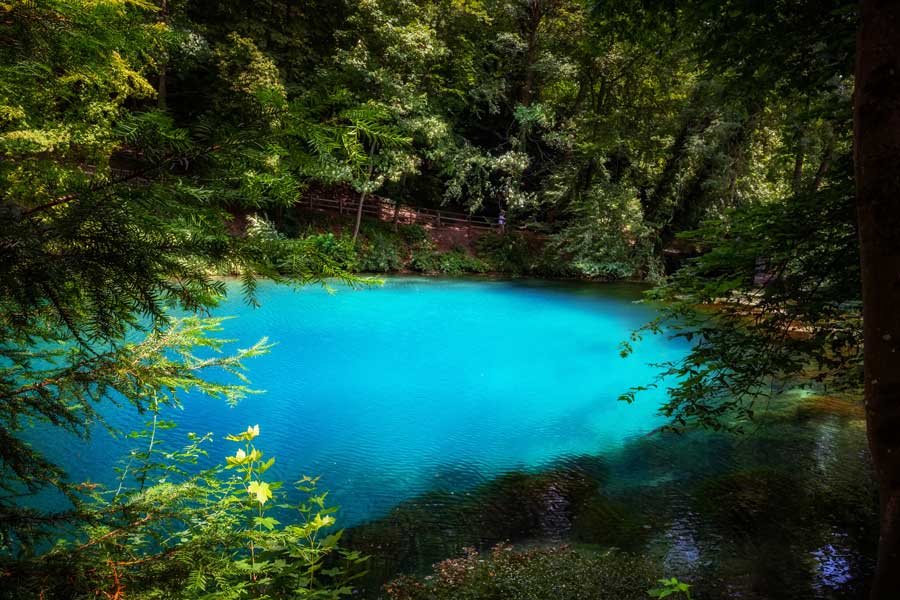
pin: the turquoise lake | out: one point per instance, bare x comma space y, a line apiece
393, 390
442, 414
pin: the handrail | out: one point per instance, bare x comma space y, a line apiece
383, 209
389, 210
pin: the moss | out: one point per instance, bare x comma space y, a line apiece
557, 572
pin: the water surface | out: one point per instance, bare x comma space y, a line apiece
420, 384
450, 413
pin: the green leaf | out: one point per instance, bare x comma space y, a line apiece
261, 490
268, 522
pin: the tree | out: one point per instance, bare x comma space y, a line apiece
876, 151
113, 216
613, 127
751, 342
107, 226
346, 149
808, 322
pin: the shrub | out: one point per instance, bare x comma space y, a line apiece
329, 247
426, 259
380, 254
211, 535
605, 237
413, 234
533, 574
509, 253
519, 254
458, 261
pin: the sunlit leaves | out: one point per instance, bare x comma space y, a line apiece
248, 435
261, 490
206, 534
671, 588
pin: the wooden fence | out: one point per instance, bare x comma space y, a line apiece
379, 208
387, 210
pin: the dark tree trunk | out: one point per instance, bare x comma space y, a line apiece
691, 206
827, 157
530, 60
797, 178
534, 12
653, 201
532, 21
359, 212
584, 178
279, 217
877, 165
397, 202
585, 84
395, 220
161, 91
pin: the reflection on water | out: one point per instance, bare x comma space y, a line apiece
788, 511
683, 554
833, 564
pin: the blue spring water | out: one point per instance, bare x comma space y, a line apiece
419, 384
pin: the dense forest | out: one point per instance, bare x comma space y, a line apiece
150, 148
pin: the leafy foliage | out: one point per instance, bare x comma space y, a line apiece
426, 259
606, 239
213, 534
781, 283
381, 254
671, 587
108, 227
146, 147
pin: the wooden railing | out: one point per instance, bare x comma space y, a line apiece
383, 209
388, 210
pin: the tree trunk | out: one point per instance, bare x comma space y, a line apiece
797, 178
397, 202
161, 91
362, 196
653, 202
827, 157
530, 24
877, 167
691, 205
359, 211
530, 60
279, 217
